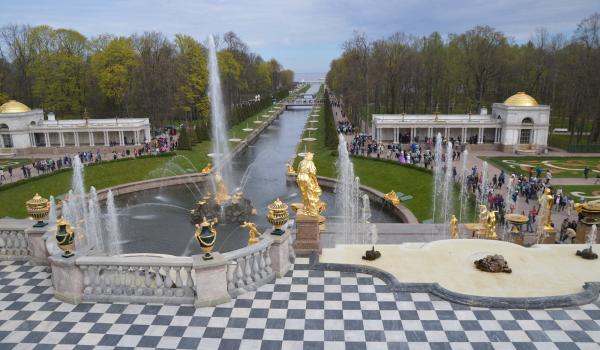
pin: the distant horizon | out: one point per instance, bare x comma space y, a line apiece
303, 36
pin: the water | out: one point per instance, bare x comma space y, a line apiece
447, 187
437, 178
112, 225
464, 172
347, 194
93, 223
591, 236
52, 212
483, 188
158, 221
219, 139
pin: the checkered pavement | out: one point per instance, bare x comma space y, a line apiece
304, 310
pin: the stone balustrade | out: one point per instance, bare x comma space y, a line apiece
137, 279
14, 244
249, 268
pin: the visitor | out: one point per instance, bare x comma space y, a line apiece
586, 172
548, 176
530, 222
597, 181
10, 169
2, 177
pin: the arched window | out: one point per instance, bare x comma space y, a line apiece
526, 136
3, 126
32, 123
5, 136
527, 121
499, 117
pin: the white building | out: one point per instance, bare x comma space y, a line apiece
519, 124
23, 130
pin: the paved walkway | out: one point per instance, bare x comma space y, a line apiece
304, 310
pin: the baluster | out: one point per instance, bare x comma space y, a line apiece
178, 282
9, 243
24, 244
231, 267
247, 270
87, 289
168, 282
129, 280
100, 285
255, 268
239, 274
118, 280
262, 265
93, 279
147, 281
3, 243
139, 280
159, 282
109, 279
269, 268
189, 283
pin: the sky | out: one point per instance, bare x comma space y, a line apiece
303, 35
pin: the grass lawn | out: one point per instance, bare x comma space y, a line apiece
562, 141
107, 174
589, 193
381, 175
15, 163
559, 166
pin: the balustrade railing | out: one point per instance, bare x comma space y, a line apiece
249, 268
13, 244
137, 279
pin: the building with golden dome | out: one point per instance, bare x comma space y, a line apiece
23, 131
519, 124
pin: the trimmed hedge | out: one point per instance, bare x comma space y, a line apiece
331, 136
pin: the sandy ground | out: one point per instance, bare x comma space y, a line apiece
542, 270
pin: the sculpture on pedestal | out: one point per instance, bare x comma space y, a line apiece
38, 209
454, 227
309, 186
65, 237
206, 236
252, 232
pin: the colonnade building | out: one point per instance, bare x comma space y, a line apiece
519, 124
23, 131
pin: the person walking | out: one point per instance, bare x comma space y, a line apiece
586, 172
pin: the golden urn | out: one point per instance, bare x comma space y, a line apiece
206, 235
278, 215
38, 209
207, 169
65, 237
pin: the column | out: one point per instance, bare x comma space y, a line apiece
91, 138
76, 137
136, 137
106, 141
121, 140
480, 136
47, 139
32, 140
396, 130
412, 134
463, 135
446, 133
61, 139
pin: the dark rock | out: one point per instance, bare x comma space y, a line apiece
234, 211
493, 263
372, 254
587, 253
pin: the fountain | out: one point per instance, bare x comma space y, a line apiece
217, 114
347, 195
463, 187
114, 233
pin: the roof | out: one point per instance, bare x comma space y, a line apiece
13, 106
521, 99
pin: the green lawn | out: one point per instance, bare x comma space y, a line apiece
15, 163
589, 193
562, 141
382, 175
559, 166
107, 174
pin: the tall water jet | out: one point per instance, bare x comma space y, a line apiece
447, 188
437, 177
52, 211
217, 113
463, 187
93, 223
113, 231
483, 188
347, 191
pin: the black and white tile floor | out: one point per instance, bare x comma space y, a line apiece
305, 310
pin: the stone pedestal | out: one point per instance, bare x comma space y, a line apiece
67, 279
37, 245
211, 280
308, 234
280, 253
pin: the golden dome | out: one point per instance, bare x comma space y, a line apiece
13, 106
521, 99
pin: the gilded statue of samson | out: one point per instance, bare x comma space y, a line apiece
309, 187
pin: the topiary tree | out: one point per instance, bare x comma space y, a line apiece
184, 141
199, 133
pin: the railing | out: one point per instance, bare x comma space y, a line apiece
249, 268
137, 279
13, 244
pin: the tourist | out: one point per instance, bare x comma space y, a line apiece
2, 177
530, 222
10, 169
548, 176
586, 172
597, 181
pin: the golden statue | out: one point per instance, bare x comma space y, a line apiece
207, 169
491, 225
290, 169
454, 227
392, 197
546, 202
309, 187
253, 232
483, 215
221, 195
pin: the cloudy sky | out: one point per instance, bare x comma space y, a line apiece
303, 35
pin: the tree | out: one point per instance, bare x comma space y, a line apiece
193, 77
184, 141
114, 66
